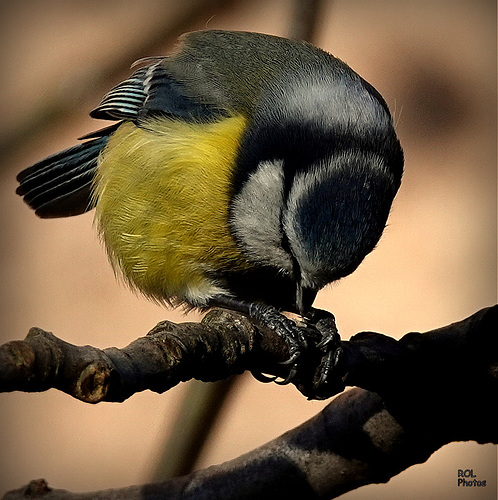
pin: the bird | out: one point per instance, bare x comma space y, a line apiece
243, 170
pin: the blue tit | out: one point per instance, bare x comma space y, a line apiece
244, 170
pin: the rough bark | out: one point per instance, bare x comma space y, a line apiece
412, 401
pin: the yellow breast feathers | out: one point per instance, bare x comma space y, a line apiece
162, 197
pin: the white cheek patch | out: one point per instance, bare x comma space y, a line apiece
256, 216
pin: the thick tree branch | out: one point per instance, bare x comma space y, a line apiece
221, 345
421, 383
227, 343
318, 459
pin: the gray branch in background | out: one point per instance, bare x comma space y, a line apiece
60, 103
306, 16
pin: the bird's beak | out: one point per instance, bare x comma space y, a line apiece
305, 296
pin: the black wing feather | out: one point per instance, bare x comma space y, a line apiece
152, 91
61, 185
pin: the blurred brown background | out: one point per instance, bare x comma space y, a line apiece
435, 64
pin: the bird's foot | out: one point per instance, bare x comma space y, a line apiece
315, 351
293, 334
315, 362
330, 374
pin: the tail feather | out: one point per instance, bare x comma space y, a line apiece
61, 184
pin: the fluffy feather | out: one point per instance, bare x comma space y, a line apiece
162, 200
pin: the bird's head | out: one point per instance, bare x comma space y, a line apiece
318, 170
314, 224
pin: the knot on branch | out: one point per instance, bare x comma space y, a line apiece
214, 349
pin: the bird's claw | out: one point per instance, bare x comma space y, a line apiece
331, 360
329, 372
261, 377
292, 359
286, 329
330, 335
296, 348
317, 340
290, 376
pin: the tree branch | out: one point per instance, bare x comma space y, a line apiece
306, 17
59, 102
221, 345
421, 383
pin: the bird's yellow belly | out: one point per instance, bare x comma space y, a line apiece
162, 202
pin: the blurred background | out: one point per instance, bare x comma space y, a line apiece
435, 64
